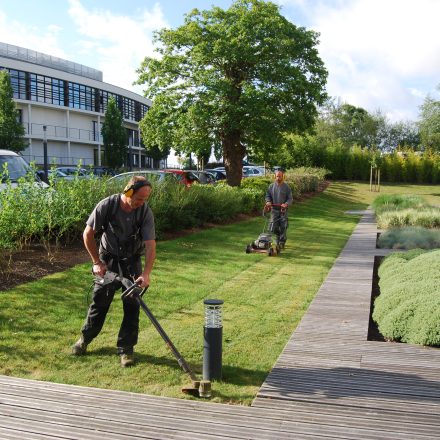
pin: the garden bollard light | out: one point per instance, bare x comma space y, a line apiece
212, 340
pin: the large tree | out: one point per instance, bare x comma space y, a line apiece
234, 80
11, 130
114, 136
429, 123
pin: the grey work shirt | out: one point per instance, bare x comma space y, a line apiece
279, 194
121, 238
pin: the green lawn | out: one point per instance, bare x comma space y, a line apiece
264, 300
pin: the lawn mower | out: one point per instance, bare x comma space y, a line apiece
264, 244
198, 388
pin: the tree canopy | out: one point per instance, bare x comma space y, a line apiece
114, 136
11, 130
234, 80
429, 123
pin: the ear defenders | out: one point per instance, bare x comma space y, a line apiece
129, 190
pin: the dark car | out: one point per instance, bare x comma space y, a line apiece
103, 171
184, 177
218, 174
205, 177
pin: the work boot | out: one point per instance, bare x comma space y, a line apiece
79, 348
127, 360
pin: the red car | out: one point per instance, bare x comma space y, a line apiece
186, 178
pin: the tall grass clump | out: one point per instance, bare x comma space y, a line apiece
389, 202
410, 238
397, 211
408, 307
425, 217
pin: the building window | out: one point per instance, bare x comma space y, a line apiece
129, 109
81, 97
18, 83
40, 88
104, 98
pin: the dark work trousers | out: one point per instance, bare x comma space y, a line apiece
102, 297
278, 224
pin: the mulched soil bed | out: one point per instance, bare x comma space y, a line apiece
373, 331
34, 262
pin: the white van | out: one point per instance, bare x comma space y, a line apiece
17, 167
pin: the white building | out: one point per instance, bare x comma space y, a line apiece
64, 103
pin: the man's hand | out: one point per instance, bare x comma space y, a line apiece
99, 269
143, 280
284, 205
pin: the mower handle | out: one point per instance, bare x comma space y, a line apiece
269, 208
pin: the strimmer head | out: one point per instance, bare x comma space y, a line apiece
198, 389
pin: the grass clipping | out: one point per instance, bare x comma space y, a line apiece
408, 307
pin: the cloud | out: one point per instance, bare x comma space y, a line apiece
380, 54
42, 40
119, 42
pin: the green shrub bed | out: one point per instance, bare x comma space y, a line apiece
408, 307
33, 214
410, 238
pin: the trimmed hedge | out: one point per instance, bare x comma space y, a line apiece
30, 213
408, 307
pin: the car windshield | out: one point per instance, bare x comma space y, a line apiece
16, 165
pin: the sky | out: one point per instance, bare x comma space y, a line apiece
380, 54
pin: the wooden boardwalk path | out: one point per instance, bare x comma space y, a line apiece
351, 387
328, 383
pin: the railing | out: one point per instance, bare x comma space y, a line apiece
42, 59
60, 132
55, 160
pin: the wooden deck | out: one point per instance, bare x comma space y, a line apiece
328, 383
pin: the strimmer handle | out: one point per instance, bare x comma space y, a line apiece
130, 290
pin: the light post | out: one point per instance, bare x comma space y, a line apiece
45, 153
212, 340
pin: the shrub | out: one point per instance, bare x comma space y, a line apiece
408, 307
410, 238
387, 202
32, 213
426, 217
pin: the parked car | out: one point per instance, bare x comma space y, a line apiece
154, 176
82, 173
53, 174
252, 171
205, 177
248, 171
184, 177
17, 168
102, 171
218, 174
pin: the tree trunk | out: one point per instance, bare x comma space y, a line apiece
233, 154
